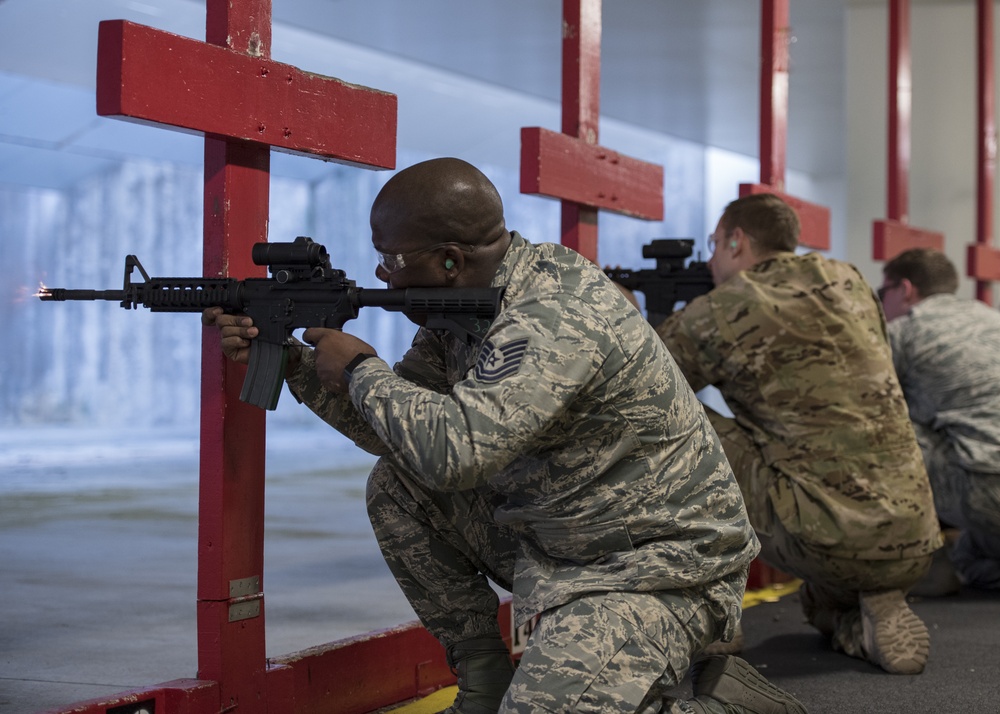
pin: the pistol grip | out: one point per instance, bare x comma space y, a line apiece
265, 374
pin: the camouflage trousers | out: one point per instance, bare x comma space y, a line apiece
441, 548
605, 652
833, 583
611, 652
968, 501
963, 499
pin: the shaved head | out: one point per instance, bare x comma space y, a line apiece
436, 201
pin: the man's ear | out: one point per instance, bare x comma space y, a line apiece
736, 241
911, 296
452, 261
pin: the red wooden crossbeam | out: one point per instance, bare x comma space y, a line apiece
983, 264
814, 219
982, 259
230, 90
571, 166
152, 76
179, 696
372, 671
890, 238
589, 175
894, 234
353, 676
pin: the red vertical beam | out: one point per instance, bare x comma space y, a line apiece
773, 140
986, 150
581, 108
773, 92
894, 234
900, 103
774, 34
231, 648
815, 220
571, 166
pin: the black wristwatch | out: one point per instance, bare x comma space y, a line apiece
353, 364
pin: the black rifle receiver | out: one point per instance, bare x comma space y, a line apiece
303, 291
670, 281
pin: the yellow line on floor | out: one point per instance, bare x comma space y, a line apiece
431, 704
770, 593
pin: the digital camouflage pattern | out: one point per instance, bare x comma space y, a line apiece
608, 651
570, 429
616, 652
947, 354
797, 345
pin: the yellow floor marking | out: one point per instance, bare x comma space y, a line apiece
442, 698
431, 704
770, 593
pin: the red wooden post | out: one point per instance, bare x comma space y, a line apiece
773, 93
900, 111
894, 235
572, 166
243, 102
814, 219
982, 259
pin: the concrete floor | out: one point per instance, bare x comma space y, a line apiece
98, 561
98, 543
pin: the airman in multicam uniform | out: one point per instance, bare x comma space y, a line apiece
564, 457
820, 441
947, 354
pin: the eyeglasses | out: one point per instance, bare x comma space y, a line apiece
883, 290
713, 243
394, 262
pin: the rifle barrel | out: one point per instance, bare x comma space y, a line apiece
60, 294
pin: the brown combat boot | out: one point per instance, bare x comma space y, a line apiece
893, 636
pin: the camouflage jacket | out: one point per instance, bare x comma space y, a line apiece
947, 356
797, 345
573, 411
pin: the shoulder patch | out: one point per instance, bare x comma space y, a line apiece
496, 363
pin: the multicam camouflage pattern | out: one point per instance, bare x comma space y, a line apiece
797, 345
571, 427
839, 579
947, 354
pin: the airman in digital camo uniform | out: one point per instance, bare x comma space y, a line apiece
564, 457
947, 355
820, 442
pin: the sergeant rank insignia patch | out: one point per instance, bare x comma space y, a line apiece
495, 363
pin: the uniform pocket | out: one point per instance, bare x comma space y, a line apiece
581, 542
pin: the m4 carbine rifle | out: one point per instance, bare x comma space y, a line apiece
303, 291
670, 281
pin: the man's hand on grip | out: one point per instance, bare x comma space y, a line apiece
236, 331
